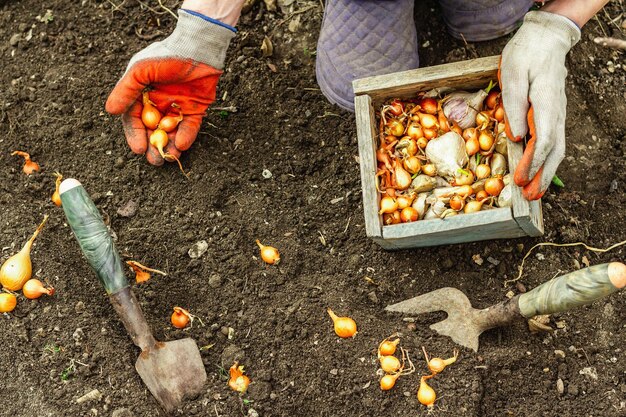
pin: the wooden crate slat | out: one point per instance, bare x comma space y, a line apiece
527, 214
500, 226
457, 223
366, 134
469, 74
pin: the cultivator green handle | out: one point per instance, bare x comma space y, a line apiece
573, 290
92, 235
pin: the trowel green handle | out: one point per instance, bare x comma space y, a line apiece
92, 235
573, 290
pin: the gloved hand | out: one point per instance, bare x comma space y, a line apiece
184, 69
532, 78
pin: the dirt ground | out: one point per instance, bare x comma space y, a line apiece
56, 72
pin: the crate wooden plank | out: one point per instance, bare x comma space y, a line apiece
488, 224
366, 133
527, 214
474, 73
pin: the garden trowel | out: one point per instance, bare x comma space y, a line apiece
465, 323
172, 371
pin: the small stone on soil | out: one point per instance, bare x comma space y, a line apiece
373, 297
198, 249
129, 209
93, 395
560, 387
559, 353
122, 412
230, 355
215, 281
15, 39
334, 371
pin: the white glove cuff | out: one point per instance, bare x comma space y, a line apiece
200, 40
560, 27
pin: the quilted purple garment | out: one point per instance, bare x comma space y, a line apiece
360, 38
481, 20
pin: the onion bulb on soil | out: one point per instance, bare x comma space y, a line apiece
425, 394
56, 197
389, 380
33, 288
30, 166
437, 365
150, 115
390, 364
181, 318
269, 254
238, 381
7, 302
388, 347
142, 272
18, 268
344, 327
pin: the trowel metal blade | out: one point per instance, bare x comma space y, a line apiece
172, 371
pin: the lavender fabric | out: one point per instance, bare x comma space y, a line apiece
481, 20
361, 38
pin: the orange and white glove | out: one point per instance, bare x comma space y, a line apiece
183, 69
532, 78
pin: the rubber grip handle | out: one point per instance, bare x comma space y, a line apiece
92, 235
568, 291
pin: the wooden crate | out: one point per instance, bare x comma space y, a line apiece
524, 218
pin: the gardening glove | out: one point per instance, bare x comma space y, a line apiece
532, 78
182, 69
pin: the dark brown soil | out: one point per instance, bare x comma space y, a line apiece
55, 80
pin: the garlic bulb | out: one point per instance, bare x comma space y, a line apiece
497, 164
420, 204
461, 107
435, 211
447, 153
505, 197
423, 183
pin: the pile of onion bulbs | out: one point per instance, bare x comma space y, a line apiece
439, 157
